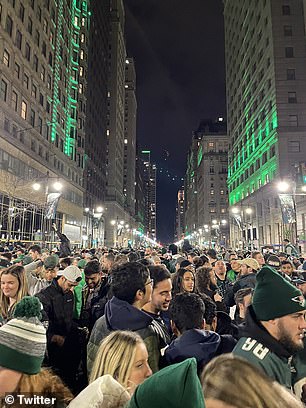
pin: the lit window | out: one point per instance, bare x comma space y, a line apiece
6, 58
24, 108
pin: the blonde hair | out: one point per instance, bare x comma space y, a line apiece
229, 378
115, 356
22, 291
45, 383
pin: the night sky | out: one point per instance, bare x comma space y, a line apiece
178, 47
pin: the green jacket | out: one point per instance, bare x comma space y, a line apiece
299, 376
78, 297
258, 347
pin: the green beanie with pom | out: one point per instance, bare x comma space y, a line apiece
23, 339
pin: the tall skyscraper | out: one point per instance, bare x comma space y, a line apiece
180, 215
266, 110
130, 113
150, 181
43, 58
116, 99
96, 112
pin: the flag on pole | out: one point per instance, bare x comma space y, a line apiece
52, 203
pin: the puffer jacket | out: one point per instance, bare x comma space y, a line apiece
120, 315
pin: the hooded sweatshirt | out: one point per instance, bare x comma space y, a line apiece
120, 315
200, 344
176, 386
262, 350
104, 392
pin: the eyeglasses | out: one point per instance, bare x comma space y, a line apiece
151, 281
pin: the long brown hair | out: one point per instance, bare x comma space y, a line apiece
45, 383
19, 273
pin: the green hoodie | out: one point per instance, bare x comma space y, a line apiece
176, 386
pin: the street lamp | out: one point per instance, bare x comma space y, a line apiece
242, 214
96, 218
50, 201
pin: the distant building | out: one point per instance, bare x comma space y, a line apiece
180, 216
117, 214
150, 180
206, 195
130, 113
266, 109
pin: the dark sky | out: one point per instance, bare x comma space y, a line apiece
178, 47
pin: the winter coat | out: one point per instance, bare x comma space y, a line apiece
200, 344
58, 307
245, 281
203, 345
104, 392
120, 315
97, 304
262, 350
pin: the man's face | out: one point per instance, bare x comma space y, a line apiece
50, 274
161, 295
245, 269
66, 285
33, 254
190, 258
232, 256
247, 300
291, 331
220, 267
287, 269
93, 280
235, 266
260, 259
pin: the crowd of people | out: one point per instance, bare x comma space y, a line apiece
175, 327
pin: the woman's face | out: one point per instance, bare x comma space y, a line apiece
9, 285
141, 369
188, 282
9, 380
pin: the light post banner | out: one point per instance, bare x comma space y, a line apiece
238, 221
52, 203
288, 208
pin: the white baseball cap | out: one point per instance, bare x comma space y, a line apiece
71, 273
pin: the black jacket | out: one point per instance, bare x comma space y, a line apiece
65, 249
245, 281
58, 307
97, 305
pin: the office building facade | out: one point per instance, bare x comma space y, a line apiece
266, 112
43, 58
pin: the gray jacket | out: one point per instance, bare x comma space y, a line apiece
35, 284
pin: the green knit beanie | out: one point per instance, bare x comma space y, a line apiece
274, 296
176, 386
23, 339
